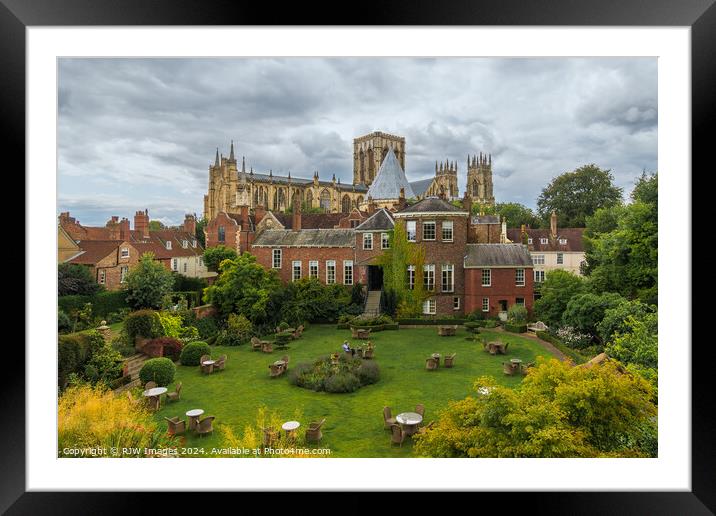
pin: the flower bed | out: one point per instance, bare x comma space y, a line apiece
346, 374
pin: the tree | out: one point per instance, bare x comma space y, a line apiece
585, 311
638, 344
556, 291
577, 195
148, 283
485, 209
156, 225
243, 287
213, 256
517, 214
74, 279
199, 231
558, 411
646, 189
614, 320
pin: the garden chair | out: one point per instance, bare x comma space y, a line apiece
270, 436
275, 370
255, 344
150, 385
154, 402
508, 368
285, 362
431, 364
420, 409
266, 346
297, 334
368, 353
205, 426
174, 396
354, 332
175, 425
220, 364
313, 433
388, 418
397, 435
449, 360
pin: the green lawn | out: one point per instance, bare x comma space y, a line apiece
354, 422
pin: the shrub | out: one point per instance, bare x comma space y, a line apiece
491, 323
476, 315
517, 314
345, 318
143, 323
192, 352
164, 347
103, 303
63, 322
342, 382
147, 283
227, 338
472, 326
160, 370
123, 346
585, 311
118, 316
74, 352
516, 328
283, 326
368, 372
572, 338
240, 326
207, 327
74, 279
188, 334
171, 324
104, 366
348, 375
615, 319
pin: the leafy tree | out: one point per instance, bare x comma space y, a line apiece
215, 255
186, 283
517, 214
310, 300
199, 231
585, 311
614, 320
148, 283
155, 225
638, 344
557, 411
485, 209
558, 288
74, 279
577, 195
243, 286
646, 189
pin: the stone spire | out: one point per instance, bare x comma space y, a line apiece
243, 163
231, 154
216, 160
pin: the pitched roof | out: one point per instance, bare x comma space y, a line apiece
380, 220
420, 187
266, 178
306, 238
431, 205
389, 180
575, 243
312, 220
497, 255
95, 250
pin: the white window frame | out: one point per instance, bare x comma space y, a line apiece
560, 258
540, 274
330, 272
295, 264
456, 303
411, 277
447, 224
487, 273
313, 269
185, 266
367, 241
414, 231
193, 243
169, 245
347, 266
123, 271
427, 224
384, 241
562, 241
485, 304
517, 277
543, 241
185, 243
429, 277
429, 306
102, 277
274, 254
538, 259
175, 264
124, 252
447, 268
529, 240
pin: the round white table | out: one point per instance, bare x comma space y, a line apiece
193, 416
156, 391
409, 421
290, 427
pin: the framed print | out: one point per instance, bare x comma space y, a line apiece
432, 245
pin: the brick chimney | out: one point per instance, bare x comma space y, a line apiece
372, 208
553, 225
244, 218
124, 229
190, 224
113, 226
467, 203
141, 223
401, 200
259, 212
296, 222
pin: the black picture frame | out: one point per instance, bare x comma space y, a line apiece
699, 15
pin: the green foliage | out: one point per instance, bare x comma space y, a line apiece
283, 326
188, 284
557, 411
148, 283
574, 355
577, 195
238, 331
213, 256
74, 351
517, 214
200, 227
156, 225
348, 375
143, 323
639, 343
517, 314
310, 300
104, 366
207, 327
615, 318
103, 303
243, 286
171, 324
160, 370
556, 291
646, 189
342, 382
357, 294
64, 324
585, 311
475, 315
192, 352
74, 279
516, 327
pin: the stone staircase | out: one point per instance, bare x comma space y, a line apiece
372, 304
133, 364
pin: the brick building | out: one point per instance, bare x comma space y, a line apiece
109, 261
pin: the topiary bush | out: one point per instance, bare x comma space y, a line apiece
192, 352
516, 327
160, 370
283, 325
143, 323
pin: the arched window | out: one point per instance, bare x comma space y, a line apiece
346, 204
325, 200
256, 196
371, 166
359, 201
281, 199
474, 188
362, 166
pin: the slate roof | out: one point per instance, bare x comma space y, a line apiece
497, 255
420, 187
306, 238
266, 178
95, 250
380, 220
389, 180
575, 243
311, 220
431, 205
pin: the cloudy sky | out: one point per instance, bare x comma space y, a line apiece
141, 133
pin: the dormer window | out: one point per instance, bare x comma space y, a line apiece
169, 245
543, 241
562, 241
185, 243
529, 240
193, 243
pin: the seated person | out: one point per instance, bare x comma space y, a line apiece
347, 348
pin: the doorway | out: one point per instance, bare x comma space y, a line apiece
503, 309
375, 277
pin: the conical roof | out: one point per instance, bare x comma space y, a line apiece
389, 180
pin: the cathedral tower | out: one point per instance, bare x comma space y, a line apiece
479, 179
370, 150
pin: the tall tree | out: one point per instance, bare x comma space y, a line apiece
213, 256
199, 231
557, 290
577, 195
156, 225
148, 283
74, 279
517, 214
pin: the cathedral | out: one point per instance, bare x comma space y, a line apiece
378, 176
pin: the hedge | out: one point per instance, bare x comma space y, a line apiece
516, 328
374, 328
576, 357
103, 303
74, 351
432, 321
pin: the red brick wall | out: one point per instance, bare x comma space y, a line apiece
264, 256
503, 287
231, 229
112, 264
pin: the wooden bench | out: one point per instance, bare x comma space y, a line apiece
447, 331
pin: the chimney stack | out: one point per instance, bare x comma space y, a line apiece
553, 225
190, 224
245, 218
467, 203
401, 200
259, 212
296, 222
141, 223
124, 229
372, 208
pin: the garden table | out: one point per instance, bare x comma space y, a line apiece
517, 364
409, 421
154, 396
193, 416
290, 427
436, 356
